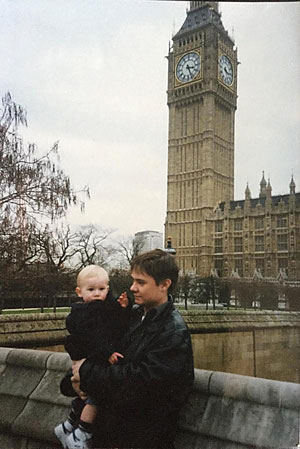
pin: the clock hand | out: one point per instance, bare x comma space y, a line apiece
189, 68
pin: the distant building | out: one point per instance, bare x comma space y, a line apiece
149, 240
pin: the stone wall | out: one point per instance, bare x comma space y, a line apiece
253, 343
225, 411
32, 330
261, 344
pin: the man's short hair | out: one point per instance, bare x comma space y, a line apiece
158, 264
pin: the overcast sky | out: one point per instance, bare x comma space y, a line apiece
93, 75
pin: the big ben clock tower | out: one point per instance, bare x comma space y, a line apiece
202, 97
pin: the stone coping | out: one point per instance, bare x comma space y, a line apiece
225, 411
32, 329
25, 317
209, 321
49, 329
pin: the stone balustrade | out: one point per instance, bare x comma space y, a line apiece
225, 411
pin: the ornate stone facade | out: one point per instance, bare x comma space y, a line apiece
202, 216
259, 236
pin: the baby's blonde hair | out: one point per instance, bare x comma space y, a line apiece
92, 270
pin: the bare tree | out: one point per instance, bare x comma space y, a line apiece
30, 185
54, 256
93, 246
129, 247
183, 289
57, 246
32, 188
73, 248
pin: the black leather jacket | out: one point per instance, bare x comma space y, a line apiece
141, 396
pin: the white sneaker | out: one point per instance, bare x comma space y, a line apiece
79, 439
62, 433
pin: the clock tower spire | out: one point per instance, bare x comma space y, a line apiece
202, 96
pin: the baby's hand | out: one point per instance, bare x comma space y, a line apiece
113, 358
123, 300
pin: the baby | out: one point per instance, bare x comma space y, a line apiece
95, 326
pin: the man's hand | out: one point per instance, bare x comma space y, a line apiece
75, 379
123, 300
113, 358
75, 370
76, 388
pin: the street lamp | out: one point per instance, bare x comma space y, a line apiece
169, 248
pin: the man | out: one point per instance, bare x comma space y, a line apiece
140, 397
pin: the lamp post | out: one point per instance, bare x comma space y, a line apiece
169, 248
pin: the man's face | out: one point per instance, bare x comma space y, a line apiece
146, 292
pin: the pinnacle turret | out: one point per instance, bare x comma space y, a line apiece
263, 185
292, 186
269, 188
247, 192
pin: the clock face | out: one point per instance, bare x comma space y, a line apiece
226, 70
188, 67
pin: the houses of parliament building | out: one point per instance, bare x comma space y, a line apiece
211, 232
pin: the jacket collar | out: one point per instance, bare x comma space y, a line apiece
152, 320
156, 312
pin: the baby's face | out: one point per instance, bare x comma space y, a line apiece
93, 288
